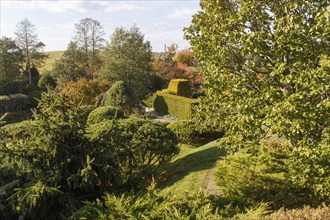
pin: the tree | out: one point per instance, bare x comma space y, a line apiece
27, 40
89, 35
119, 95
11, 58
261, 61
72, 65
127, 58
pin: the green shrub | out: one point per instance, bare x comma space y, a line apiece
180, 87
104, 113
45, 80
119, 95
150, 205
182, 107
306, 213
142, 146
15, 117
189, 132
257, 177
12, 103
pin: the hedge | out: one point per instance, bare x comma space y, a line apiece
180, 87
15, 102
174, 105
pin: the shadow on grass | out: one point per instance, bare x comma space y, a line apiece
198, 160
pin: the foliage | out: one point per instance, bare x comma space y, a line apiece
276, 174
11, 58
85, 91
182, 107
27, 40
189, 132
150, 205
46, 80
306, 213
104, 113
184, 56
15, 102
127, 58
141, 147
119, 95
179, 87
72, 65
261, 65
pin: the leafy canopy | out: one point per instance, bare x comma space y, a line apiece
266, 68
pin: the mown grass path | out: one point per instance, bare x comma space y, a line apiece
191, 170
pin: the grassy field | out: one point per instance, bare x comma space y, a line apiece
53, 55
191, 170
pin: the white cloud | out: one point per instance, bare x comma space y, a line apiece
73, 6
182, 12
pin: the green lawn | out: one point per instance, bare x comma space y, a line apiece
191, 170
53, 55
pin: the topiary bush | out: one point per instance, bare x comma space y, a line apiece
16, 102
142, 146
103, 113
180, 87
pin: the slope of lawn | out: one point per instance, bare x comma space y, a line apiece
191, 170
52, 57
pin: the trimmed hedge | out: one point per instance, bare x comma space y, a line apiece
174, 105
180, 87
104, 113
15, 102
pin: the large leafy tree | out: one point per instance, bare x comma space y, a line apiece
89, 35
127, 58
27, 40
11, 58
266, 68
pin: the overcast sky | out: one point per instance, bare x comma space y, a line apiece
160, 21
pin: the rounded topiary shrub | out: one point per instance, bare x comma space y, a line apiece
104, 113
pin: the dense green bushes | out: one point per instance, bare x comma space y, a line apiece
59, 160
141, 146
150, 205
119, 95
104, 113
188, 131
174, 105
16, 102
277, 174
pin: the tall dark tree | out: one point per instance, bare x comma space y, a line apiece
27, 40
89, 35
127, 58
11, 58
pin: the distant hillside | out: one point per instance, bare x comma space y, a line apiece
53, 55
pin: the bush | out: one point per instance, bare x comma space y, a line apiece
104, 113
85, 91
174, 105
141, 147
189, 132
45, 80
150, 205
184, 56
12, 103
119, 95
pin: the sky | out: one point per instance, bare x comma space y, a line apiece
161, 22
